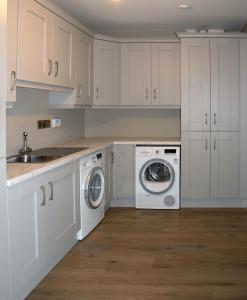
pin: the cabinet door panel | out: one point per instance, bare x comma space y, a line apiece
34, 42
63, 52
225, 165
82, 66
225, 85
123, 171
23, 234
195, 168
136, 74
166, 74
65, 198
195, 84
106, 73
45, 219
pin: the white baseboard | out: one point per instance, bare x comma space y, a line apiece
122, 202
213, 203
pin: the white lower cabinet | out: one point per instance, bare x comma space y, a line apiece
123, 175
43, 222
195, 170
210, 165
109, 159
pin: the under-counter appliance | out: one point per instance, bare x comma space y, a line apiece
157, 177
92, 198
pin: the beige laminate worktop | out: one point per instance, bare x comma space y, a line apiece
17, 172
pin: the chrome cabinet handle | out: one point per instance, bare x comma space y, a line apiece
155, 96
79, 91
215, 119
146, 93
97, 93
214, 143
44, 195
112, 158
206, 119
13, 81
56, 64
206, 144
52, 193
50, 67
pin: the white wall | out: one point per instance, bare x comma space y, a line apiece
132, 123
32, 105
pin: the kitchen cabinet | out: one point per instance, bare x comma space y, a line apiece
195, 168
195, 84
83, 68
166, 74
12, 16
34, 56
123, 173
45, 46
225, 84
23, 235
43, 219
109, 160
210, 165
225, 165
150, 74
106, 73
136, 74
210, 84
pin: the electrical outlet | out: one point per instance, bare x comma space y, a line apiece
42, 124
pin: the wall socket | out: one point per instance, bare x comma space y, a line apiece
42, 124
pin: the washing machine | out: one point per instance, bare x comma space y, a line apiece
92, 198
157, 177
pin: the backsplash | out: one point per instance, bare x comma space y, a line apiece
132, 123
32, 105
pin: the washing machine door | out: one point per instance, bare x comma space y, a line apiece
157, 176
95, 187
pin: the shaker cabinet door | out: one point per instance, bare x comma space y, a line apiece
195, 84
225, 165
136, 74
225, 85
34, 55
166, 74
195, 165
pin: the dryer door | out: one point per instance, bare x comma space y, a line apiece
157, 176
95, 188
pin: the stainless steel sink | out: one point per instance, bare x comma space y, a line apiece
44, 155
31, 158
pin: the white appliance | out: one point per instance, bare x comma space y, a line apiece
157, 177
92, 198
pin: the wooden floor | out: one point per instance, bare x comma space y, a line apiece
152, 255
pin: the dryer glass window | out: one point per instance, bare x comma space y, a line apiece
157, 172
95, 187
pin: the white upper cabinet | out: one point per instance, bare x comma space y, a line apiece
210, 84
62, 52
166, 74
136, 74
34, 43
225, 59
225, 165
106, 73
195, 84
83, 67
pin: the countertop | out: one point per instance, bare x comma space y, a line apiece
17, 172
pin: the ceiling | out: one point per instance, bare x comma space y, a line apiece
104, 16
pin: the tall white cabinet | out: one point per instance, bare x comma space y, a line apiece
210, 97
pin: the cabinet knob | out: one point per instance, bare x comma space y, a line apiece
206, 144
56, 64
206, 119
214, 143
146, 93
155, 96
97, 93
51, 187
215, 119
50, 67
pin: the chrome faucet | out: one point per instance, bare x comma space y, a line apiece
25, 151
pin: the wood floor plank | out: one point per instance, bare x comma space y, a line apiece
153, 255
